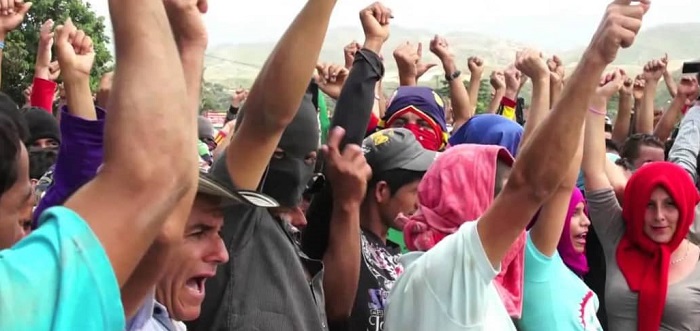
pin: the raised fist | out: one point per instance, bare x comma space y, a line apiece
498, 80
655, 69
75, 52
476, 65
441, 48
12, 13
618, 29
349, 53
531, 63
375, 21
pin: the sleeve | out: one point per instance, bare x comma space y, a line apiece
231, 114
687, 145
606, 216
352, 112
79, 156
42, 94
538, 267
59, 278
323, 119
458, 264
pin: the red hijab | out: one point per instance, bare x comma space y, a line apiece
643, 262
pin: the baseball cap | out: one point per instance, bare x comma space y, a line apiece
210, 186
396, 148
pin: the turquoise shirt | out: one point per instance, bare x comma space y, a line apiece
554, 297
59, 278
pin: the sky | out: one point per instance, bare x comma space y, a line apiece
549, 24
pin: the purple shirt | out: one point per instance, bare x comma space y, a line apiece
79, 156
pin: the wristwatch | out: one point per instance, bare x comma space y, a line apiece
453, 76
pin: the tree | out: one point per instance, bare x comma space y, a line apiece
21, 44
214, 97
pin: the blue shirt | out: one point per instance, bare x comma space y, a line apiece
59, 278
555, 298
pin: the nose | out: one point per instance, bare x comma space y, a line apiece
659, 215
585, 221
218, 253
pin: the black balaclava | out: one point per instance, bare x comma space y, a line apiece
287, 177
41, 125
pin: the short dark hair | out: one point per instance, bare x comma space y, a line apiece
630, 149
10, 147
610, 145
395, 179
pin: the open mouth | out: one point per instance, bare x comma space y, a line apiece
581, 237
196, 284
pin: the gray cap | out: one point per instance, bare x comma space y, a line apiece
396, 148
209, 185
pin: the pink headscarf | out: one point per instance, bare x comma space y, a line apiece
458, 188
574, 260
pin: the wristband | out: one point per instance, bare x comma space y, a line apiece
597, 112
2, 45
220, 137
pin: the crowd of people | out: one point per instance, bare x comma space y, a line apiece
121, 209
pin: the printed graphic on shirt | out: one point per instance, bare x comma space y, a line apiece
385, 268
589, 319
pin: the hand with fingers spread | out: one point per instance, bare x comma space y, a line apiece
409, 61
348, 172
75, 52
476, 66
619, 28
331, 78
43, 54
531, 63
688, 89
654, 70
186, 21
375, 23
12, 13
556, 69
349, 53
498, 80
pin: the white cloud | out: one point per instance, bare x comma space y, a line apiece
545, 23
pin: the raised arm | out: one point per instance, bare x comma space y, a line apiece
594, 159
144, 174
276, 94
531, 64
544, 161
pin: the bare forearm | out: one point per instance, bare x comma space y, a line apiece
474, 85
342, 261
79, 99
296, 55
192, 59
669, 119
565, 122
621, 129
539, 106
496, 101
645, 115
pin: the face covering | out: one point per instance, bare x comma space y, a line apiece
465, 171
287, 176
426, 137
489, 129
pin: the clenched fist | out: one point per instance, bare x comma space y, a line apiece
348, 171
531, 63
654, 70
498, 80
476, 65
618, 29
75, 52
375, 22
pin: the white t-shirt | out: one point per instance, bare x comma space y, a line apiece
450, 287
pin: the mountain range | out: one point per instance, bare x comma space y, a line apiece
237, 65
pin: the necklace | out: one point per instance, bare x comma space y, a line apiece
687, 249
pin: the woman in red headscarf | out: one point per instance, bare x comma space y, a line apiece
653, 274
